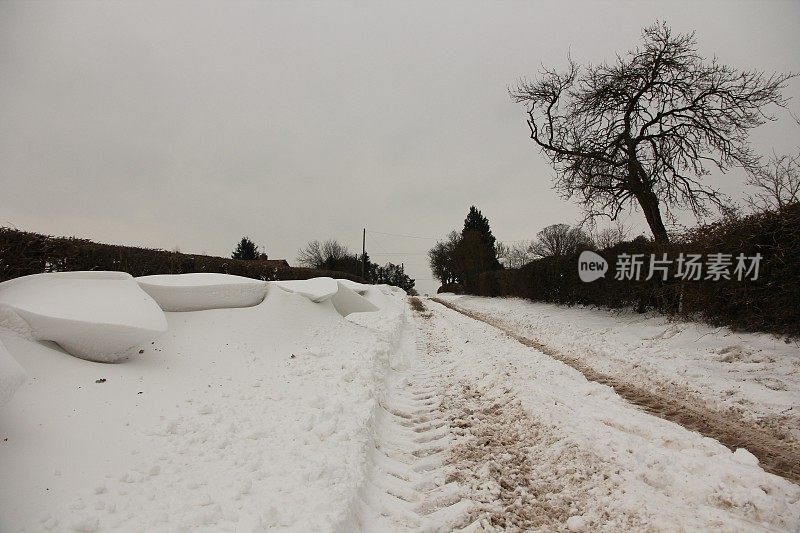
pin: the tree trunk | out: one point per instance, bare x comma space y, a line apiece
643, 192
649, 202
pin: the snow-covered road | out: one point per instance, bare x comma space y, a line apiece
536, 445
754, 375
287, 416
742, 389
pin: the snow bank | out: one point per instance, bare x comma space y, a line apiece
380, 296
341, 293
240, 419
97, 316
316, 289
11, 375
199, 291
358, 288
396, 290
347, 301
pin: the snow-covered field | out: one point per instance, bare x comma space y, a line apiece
330, 406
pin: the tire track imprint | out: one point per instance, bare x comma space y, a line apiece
407, 487
520, 473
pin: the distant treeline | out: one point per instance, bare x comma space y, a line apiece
23, 253
770, 303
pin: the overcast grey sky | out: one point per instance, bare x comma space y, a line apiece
186, 124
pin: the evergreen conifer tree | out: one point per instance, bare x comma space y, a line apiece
478, 223
246, 249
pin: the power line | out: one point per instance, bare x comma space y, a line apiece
380, 246
403, 235
434, 238
400, 253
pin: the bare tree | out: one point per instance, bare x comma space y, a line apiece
610, 236
515, 255
318, 254
778, 184
559, 240
647, 127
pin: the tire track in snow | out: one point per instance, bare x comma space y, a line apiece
523, 473
775, 455
407, 487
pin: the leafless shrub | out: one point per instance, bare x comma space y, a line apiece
777, 185
610, 236
515, 255
559, 240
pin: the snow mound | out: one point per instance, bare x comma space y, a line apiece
347, 301
97, 316
358, 288
396, 290
744, 457
315, 289
201, 291
11, 375
340, 293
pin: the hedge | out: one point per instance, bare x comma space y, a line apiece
23, 253
771, 303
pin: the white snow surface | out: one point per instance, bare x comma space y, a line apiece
241, 419
756, 375
12, 376
97, 316
584, 451
345, 295
354, 286
287, 416
202, 290
347, 301
315, 289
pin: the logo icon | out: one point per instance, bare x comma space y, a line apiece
591, 266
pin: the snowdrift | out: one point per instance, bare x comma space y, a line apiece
237, 419
11, 375
201, 291
342, 295
97, 316
315, 289
358, 288
347, 301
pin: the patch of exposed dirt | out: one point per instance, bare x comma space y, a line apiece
419, 307
522, 475
778, 452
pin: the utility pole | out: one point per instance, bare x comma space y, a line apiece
364, 254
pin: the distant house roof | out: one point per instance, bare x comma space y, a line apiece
274, 263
